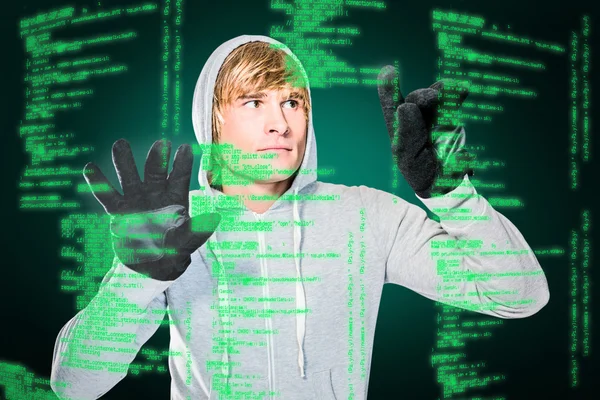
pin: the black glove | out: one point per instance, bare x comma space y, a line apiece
151, 229
431, 169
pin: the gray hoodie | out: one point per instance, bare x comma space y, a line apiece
283, 305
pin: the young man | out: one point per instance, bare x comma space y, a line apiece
281, 301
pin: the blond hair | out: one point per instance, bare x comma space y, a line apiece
253, 67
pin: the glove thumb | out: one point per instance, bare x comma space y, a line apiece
194, 232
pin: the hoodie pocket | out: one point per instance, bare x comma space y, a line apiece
323, 384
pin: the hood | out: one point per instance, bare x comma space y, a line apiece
202, 122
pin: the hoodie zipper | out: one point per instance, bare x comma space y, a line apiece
268, 322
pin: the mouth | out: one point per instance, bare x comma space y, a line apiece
275, 149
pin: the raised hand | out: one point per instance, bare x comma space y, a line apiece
431, 166
151, 229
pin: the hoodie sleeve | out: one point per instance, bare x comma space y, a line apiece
93, 350
474, 258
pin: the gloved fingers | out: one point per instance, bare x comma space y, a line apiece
439, 85
388, 88
157, 165
428, 102
178, 182
194, 232
101, 188
125, 166
426, 98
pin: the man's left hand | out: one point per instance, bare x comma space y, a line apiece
431, 166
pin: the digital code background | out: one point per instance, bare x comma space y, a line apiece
77, 76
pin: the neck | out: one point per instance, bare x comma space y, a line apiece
272, 190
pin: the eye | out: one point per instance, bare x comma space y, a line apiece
258, 101
252, 101
293, 101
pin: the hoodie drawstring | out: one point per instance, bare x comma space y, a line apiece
222, 303
300, 295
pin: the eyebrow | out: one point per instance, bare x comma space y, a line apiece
260, 95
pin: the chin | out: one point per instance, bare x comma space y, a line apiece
268, 171
278, 175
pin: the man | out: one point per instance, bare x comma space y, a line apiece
281, 301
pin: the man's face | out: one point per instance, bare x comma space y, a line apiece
257, 122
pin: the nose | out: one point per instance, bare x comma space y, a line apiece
276, 121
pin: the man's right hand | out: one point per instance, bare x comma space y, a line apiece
151, 229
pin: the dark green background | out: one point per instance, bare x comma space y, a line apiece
531, 136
